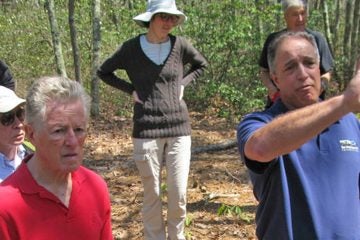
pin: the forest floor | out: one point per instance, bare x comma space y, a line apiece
220, 200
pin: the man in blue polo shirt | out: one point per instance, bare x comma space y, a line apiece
302, 153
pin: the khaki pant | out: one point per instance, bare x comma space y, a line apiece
149, 156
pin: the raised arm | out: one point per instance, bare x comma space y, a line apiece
289, 131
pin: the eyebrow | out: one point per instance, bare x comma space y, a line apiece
289, 62
305, 58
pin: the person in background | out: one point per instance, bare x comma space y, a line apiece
159, 66
295, 15
6, 78
12, 131
303, 153
50, 195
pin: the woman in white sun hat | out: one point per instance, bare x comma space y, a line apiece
12, 131
159, 66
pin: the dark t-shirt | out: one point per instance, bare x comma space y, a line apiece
326, 59
6, 78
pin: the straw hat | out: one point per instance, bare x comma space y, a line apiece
159, 6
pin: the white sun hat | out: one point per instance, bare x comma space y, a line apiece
8, 100
159, 6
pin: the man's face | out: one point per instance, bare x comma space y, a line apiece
296, 18
13, 134
297, 72
59, 142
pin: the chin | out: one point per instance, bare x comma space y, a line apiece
72, 168
309, 102
18, 142
300, 29
72, 163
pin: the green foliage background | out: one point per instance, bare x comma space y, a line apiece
227, 32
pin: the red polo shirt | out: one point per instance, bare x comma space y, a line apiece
29, 211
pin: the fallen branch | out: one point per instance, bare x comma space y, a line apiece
212, 196
215, 147
237, 179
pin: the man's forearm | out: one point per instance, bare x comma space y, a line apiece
291, 130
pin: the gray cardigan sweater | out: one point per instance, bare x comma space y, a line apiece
162, 113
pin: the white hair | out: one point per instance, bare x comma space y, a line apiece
286, 4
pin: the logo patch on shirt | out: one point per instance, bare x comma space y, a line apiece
348, 146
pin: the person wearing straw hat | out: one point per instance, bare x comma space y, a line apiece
159, 66
12, 132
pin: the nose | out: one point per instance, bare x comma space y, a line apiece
302, 72
18, 122
70, 138
301, 17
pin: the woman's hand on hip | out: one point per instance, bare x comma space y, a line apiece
136, 97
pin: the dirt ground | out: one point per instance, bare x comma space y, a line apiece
218, 181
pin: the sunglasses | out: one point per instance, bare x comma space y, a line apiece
168, 17
8, 118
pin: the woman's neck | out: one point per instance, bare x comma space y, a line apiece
152, 38
9, 152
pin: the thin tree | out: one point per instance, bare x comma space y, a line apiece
74, 43
55, 34
347, 40
130, 4
260, 23
113, 14
96, 58
327, 24
336, 24
355, 35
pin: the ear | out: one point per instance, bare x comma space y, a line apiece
29, 130
274, 78
285, 15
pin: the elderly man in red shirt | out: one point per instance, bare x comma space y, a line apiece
51, 196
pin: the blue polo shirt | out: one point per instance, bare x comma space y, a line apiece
310, 193
7, 167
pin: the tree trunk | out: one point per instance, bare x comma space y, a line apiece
130, 4
279, 18
355, 36
96, 58
260, 22
59, 59
335, 27
316, 4
74, 43
327, 25
114, 18
37, 3
347, 41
